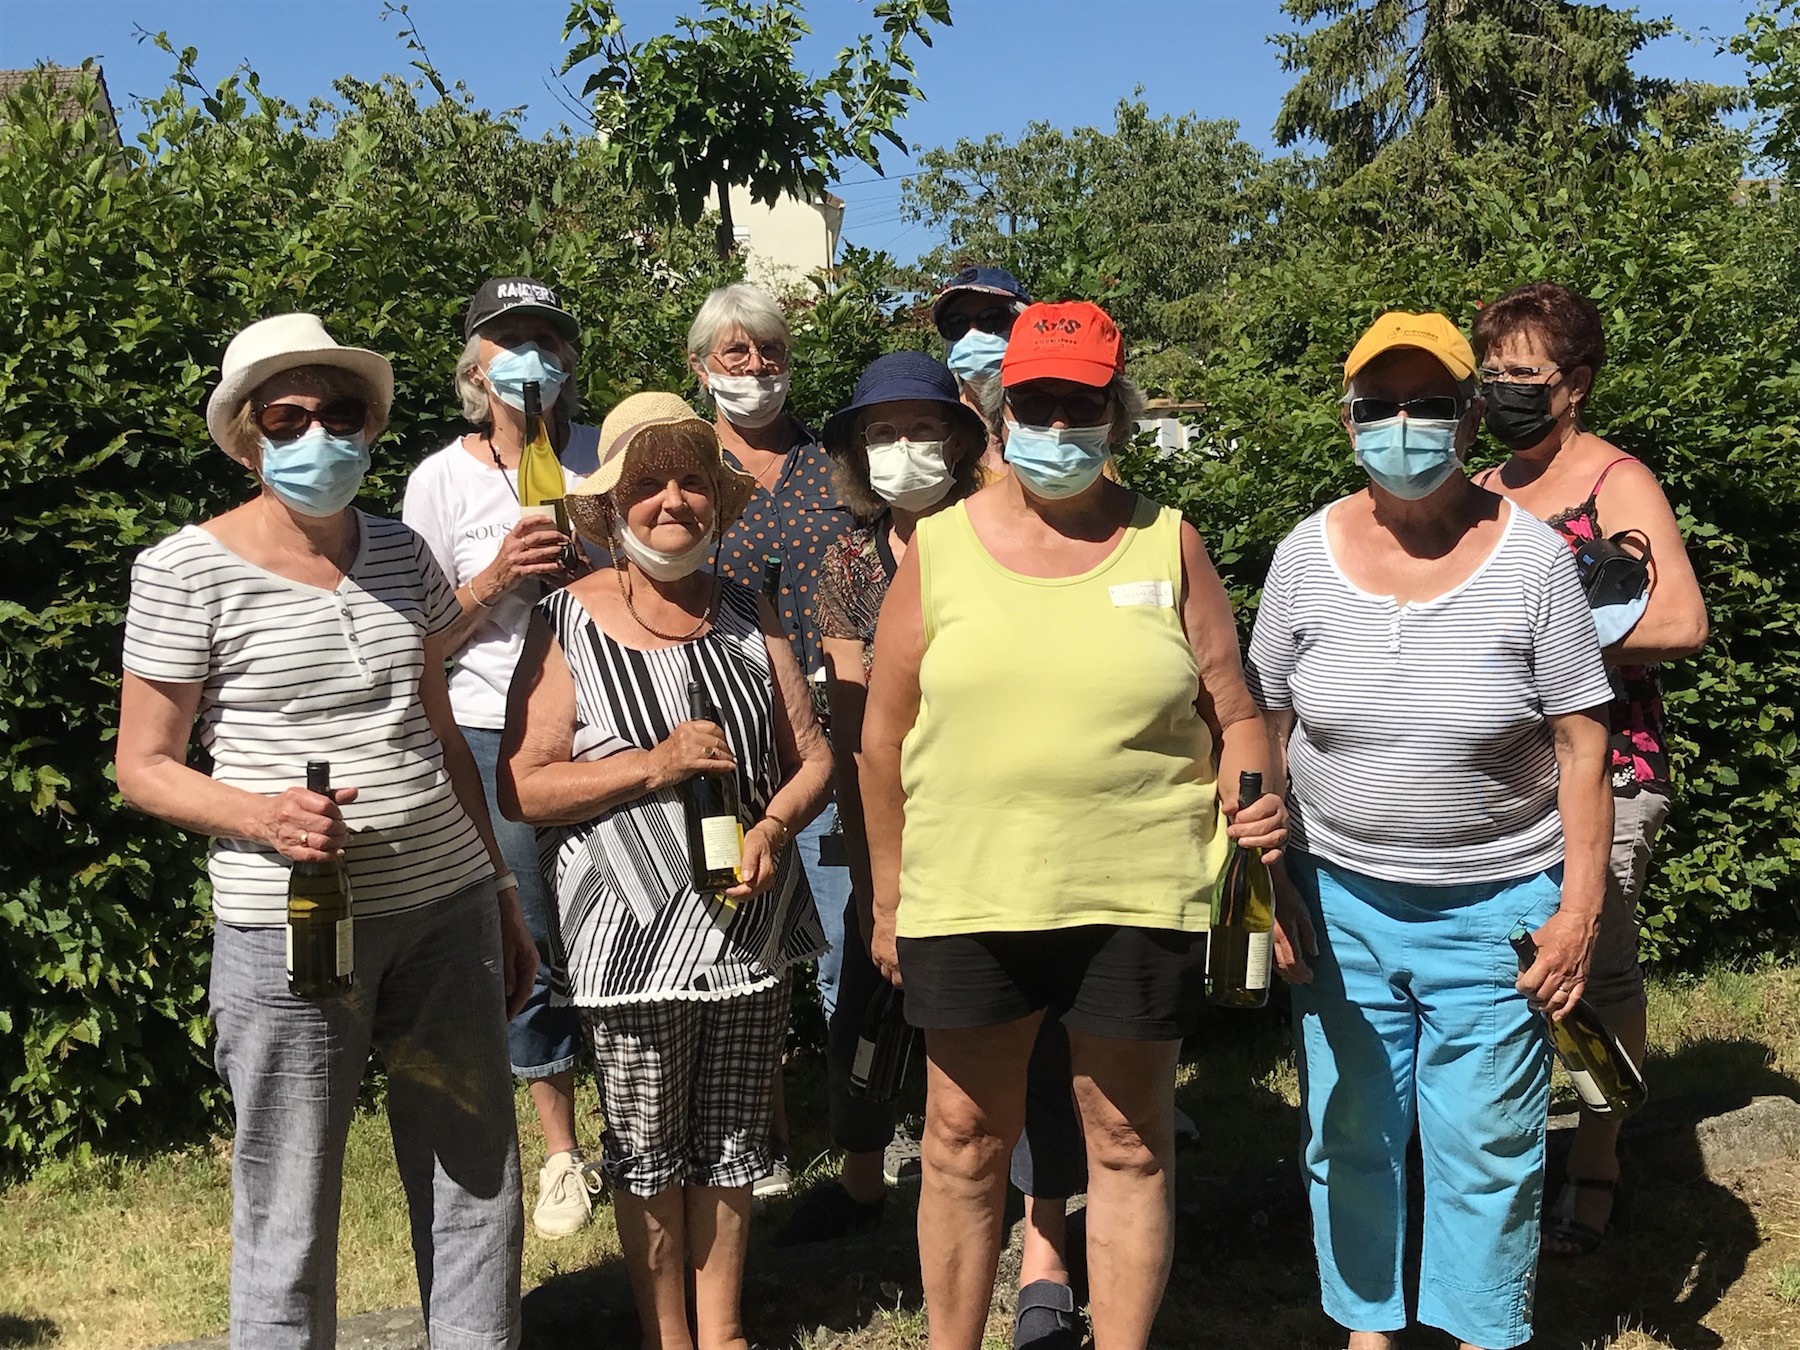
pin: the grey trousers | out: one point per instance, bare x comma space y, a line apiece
429, 1000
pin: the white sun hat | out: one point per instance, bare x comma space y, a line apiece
270, 346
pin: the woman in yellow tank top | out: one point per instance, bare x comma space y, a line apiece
1057, 694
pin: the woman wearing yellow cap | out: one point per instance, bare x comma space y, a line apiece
684, 990
1424, 652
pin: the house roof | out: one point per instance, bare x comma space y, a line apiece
66, 80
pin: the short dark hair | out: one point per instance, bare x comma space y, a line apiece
1567, 320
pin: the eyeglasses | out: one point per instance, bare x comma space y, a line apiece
289, 421
1517, 374
996, 319
736, 357
1437, 407
880, 435
1075, 407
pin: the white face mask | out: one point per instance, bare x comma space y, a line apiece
911, 475
660, 566
751, 401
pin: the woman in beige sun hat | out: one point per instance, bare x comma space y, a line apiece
296, 627
684, 992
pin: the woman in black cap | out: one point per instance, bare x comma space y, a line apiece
464, 502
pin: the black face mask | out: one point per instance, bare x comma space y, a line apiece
1518, 414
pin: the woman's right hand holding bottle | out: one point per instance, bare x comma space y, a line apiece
532, 548
693, 747
307, 826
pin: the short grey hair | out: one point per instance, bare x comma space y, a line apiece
740, 306
1128, 407
474, 392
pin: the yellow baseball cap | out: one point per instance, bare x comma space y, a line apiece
1428, 332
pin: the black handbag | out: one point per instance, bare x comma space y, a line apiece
1616, 570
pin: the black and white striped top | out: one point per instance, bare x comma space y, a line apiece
632, 927
1420, 752
290, 672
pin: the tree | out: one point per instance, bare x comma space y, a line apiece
1134, 218
686, 117
1771, 43
1374, 70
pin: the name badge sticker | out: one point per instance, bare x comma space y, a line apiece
1159, 594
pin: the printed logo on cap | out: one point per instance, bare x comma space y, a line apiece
526, 290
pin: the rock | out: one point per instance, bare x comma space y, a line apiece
1765, 1131
1683, 1139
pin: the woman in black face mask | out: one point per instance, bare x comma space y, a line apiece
1540, 348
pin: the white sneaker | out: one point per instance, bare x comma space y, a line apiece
901, 1161
566, 1191
774, 1183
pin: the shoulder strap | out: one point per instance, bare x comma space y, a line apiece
1622, 459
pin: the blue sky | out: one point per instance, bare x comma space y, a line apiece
1003, 64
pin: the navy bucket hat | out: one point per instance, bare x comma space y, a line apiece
892, 378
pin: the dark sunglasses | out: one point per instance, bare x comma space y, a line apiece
289, 421
1075, 408
996, 319
1439, 407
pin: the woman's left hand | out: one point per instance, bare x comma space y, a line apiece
1263, 824
758, 867
518, 952
1565, 945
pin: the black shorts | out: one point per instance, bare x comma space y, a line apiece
1130, 984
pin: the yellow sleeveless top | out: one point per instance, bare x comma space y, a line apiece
1058, 773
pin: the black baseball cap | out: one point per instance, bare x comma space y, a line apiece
518, 295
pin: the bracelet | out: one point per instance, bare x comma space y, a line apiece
786, 836
475, 595
505, 881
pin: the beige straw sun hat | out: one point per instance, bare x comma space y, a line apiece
587, 502
270, 346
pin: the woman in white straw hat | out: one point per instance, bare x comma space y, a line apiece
298, 628
684, 991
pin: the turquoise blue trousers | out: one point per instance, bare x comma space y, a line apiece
1412, 1017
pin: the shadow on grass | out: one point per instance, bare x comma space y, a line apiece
16, 1332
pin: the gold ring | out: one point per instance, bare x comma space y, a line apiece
304, 837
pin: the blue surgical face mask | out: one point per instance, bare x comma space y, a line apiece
975, 355
317, 474
514, 367
1057, 462
1613, 622
1409, 457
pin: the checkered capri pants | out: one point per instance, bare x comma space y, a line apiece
686, 1087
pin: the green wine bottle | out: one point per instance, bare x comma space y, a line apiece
1604, 1077
321, 930
1240, 941
715, 831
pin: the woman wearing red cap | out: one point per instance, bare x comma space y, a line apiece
1057, 696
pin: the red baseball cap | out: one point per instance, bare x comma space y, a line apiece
1072, 340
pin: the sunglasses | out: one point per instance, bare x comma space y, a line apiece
1438, 407
996, 319
289, 421
1075, 408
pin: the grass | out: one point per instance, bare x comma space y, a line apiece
128, 1252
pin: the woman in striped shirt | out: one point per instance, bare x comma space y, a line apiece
296, 627
684, 992
1425, 656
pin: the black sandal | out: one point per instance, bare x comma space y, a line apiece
1045, 1318
1577, 1238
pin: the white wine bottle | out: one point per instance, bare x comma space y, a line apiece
541, 484
715, 832
321, 929
1239, 945
1604, 1077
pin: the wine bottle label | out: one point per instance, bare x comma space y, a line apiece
544, 512
865, 1060
1589, 1091
346, 947
1258, 958
722, 843
288, 929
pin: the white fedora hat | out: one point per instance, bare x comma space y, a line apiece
270, 346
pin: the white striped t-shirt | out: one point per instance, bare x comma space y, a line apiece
290, 672
1420, 752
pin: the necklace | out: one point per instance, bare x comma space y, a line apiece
706, 614
500, 464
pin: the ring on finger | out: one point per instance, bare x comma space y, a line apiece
304, 839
